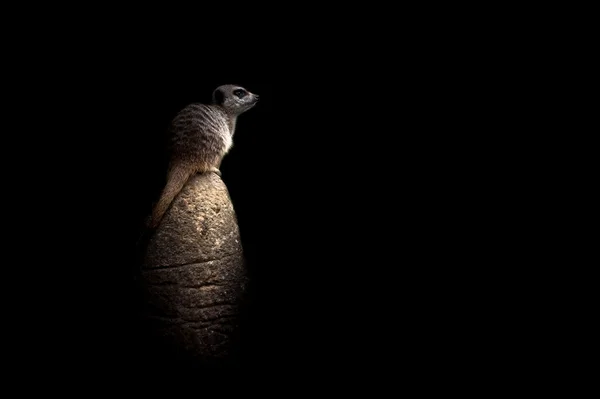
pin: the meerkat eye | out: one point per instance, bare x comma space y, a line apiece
240, 93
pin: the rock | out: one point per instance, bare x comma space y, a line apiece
194, 276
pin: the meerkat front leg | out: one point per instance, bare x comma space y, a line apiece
216, 167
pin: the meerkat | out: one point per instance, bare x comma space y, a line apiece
200, 136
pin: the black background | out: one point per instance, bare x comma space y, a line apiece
370, 183
351, 197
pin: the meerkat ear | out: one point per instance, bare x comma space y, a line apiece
218, 97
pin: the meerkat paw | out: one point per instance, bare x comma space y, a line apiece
217, 171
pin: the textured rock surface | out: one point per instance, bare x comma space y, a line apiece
194, 275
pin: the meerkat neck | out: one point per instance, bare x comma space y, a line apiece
232, 123
231, 118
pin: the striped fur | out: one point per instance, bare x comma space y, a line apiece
200, 135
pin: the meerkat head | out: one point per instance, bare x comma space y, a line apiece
234, 99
